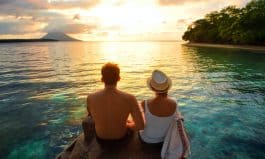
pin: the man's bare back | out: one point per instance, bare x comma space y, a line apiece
110, 109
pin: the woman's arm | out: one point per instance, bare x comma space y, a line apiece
183, 137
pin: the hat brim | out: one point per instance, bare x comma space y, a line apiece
148, 83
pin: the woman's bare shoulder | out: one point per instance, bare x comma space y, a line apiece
173, 104
172, 100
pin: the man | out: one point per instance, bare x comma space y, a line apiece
111, 107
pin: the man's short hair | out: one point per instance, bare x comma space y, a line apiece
110, 73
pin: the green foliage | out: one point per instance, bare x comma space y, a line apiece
231, 25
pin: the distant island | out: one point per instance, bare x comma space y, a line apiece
231, 25
58, 36
49, 37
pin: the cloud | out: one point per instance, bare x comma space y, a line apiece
76, 17
113, 28
22, 26
31, 16
3, 2
239, 3
102, 34
59, 4
184, 21
119, 2
176, 2
49, 4
35, 7
69, 27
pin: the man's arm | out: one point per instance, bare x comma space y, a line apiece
136, 114
87, 106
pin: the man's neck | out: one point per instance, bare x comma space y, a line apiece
110, 86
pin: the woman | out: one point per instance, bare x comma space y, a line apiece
159, 113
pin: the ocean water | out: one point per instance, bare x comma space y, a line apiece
43, 89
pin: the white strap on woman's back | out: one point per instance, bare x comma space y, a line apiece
145, 106
177, 112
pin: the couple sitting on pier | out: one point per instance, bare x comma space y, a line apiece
110, 108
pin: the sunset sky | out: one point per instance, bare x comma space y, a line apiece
107, 20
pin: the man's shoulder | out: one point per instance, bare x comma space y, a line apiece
127, 95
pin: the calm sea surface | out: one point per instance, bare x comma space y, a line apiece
43, 88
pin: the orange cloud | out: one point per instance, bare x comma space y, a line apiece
69, 28
238, 3
176, 2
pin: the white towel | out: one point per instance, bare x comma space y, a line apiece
173, 146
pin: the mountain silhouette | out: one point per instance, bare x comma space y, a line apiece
58, 36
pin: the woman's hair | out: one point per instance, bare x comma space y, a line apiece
110, 73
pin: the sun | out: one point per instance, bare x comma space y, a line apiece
128, 19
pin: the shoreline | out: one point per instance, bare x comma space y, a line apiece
2, 41
228, 46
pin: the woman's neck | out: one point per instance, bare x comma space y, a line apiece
161, 95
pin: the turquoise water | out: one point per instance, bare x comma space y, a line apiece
43, 88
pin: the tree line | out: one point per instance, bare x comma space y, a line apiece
230, 25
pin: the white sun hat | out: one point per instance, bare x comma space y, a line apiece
159, 82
